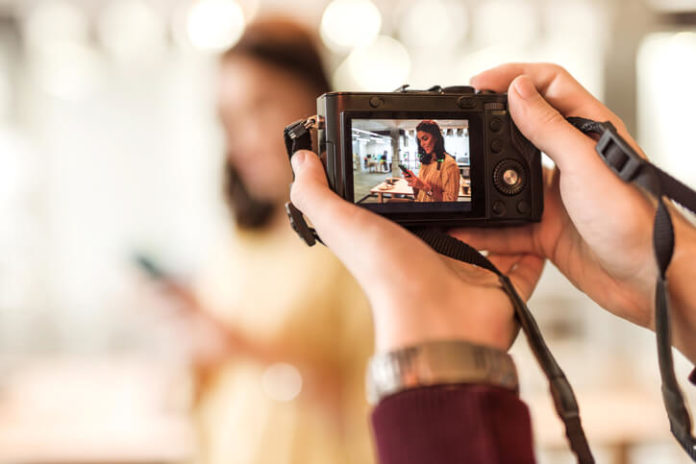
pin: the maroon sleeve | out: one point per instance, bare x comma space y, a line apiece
453, 424
692, 377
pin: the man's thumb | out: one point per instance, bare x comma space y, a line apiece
310, 187
545, 127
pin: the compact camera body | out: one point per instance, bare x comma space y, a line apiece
474, 168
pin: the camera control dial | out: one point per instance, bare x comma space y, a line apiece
509, 177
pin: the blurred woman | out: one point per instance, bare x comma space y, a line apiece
287, 329
438, 177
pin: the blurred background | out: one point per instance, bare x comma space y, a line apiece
110, 147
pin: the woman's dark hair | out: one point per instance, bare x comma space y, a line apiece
432, 128
249, 212
288, 47
283, 43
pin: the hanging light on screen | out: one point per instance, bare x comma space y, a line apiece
347, 24
214, 25
382, 65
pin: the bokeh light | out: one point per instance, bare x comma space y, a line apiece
433, 24
667, 61
382, 65
131, 29
67, 70
214, 25
282, 382
346, 24
61, 59
505, 23
51, 21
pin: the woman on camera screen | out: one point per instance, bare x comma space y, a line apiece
438, 177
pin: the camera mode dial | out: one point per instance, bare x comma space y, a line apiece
459, 89
509, 177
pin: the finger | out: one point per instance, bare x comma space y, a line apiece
558, 87
310, 191
337, 221
504, 263
341, 225
548, 130
508, 240
525, 274
554, 83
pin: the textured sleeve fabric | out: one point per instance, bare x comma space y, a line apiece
450, 184
453, 424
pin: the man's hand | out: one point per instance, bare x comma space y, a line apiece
416, 294
596, 228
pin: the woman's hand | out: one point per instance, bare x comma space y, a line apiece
596, 229
416, 183
416, 294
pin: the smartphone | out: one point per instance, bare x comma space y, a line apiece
150, 267
407, 172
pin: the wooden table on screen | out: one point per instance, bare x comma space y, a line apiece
401, 187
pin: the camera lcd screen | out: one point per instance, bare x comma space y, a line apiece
397, 162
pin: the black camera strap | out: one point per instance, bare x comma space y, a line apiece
631, 168
564, 399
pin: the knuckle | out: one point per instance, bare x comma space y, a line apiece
555, 69
550, 117
545, 121
297, 192
539, 125
620, 125
560, 70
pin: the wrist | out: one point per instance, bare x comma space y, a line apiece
400, 332
441, 362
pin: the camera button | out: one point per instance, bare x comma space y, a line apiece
495, 124
459, 89
466, 102
498, 208
376, 102
496, 146
523, 207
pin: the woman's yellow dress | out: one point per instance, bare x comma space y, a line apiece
281, 293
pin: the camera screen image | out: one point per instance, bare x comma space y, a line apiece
411, 160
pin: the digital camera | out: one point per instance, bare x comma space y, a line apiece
439, 157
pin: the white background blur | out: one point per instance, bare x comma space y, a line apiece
109, 146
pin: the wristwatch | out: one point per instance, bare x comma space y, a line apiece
438, 363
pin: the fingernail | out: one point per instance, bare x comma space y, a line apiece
525, 87
297, 160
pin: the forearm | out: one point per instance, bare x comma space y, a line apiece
451, 193
452, 424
